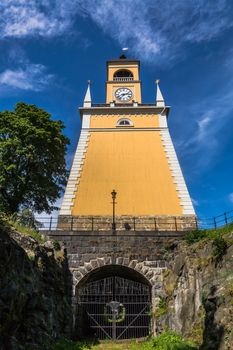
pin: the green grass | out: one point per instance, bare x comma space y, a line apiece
96, 345
27, 231
166, 341
7, 223
197, 235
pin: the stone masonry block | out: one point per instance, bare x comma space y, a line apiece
133, 263
119, 261
125, 261
108, 260
94, 264
88, 266
100, 261
83, 270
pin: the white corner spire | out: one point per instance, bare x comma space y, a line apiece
159, 97
87, 99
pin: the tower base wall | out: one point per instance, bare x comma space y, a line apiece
141, 253
127, 223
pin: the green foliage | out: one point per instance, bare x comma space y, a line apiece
25, 222
7, 222
204, 297
27, 231
66, 344
162, 307
26, 218
171, 341
4, 221
195, 236
56, 245
220, 247
166, 341
223, 230
162, 303
32, 159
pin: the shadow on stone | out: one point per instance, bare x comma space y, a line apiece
35, 293
213, 333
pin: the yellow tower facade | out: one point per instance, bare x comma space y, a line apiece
126, 145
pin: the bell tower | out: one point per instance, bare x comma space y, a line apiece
123, 84
126, 145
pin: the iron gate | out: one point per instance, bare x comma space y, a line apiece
115, 308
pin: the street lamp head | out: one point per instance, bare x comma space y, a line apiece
113, 193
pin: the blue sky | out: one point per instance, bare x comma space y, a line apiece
50, 48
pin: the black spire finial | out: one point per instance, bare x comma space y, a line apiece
122, 57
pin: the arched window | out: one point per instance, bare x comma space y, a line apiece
123, 75
124, 122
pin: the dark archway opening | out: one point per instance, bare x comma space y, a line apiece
113, 302
123, 75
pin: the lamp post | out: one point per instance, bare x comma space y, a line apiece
113, 193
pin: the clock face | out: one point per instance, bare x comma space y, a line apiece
123, 94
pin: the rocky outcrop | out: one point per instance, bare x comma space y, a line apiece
34, 292
194, 297
197, 300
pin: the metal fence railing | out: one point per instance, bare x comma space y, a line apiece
91, 223
216, 221
125, 223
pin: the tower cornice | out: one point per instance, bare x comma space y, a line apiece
125, 108
123, 61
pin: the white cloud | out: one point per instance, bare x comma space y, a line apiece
212, 121
21, 18
203, 137
155, 30
203, 125
158, 29
231, 197
195, 202
32, 77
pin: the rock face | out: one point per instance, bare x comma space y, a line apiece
194, 295
34, 292
198, 293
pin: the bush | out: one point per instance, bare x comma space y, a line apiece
25, 224
66, 344
195, 236
220, 247
171, 341
56, 245
162, 309
26, 218
4, 221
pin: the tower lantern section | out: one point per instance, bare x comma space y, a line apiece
123, 83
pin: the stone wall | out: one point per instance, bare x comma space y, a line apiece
128, 223
192, 290
82, 247
192, 287
198, 292
35, 296
143, 252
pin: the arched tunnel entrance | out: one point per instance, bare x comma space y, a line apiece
113, 302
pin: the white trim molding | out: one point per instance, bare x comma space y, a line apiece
176, 171
75, 172
86, 120
162, 120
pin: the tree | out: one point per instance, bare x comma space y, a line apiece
32, 159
